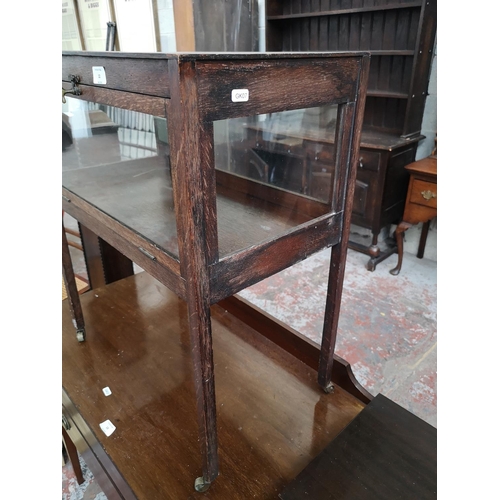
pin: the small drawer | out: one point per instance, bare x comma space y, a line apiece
424, 193
368, 160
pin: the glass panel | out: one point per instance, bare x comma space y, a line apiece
274, 172
118, 160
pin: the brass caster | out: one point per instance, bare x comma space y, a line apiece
329, 388
200, 485
80, 335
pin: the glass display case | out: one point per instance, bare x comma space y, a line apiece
212, 172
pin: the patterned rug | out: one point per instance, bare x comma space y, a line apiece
387, 331
88, 490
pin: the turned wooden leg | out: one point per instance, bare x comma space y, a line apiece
73, 456
423, 239
374, 249
402, 227
332, 310
374, 252
72, 290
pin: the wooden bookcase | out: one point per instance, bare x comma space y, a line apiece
400, 36
161, 171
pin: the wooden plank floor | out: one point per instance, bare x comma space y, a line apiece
273, 418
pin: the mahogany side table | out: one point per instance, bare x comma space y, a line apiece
421, 204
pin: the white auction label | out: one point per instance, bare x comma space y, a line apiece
107, 391
99, 75
107, 427
240, 95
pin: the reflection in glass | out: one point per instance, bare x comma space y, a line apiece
118, 160
278, 168
103, 134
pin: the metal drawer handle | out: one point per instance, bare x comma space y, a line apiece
361, 162
65, 423
427, 195
75, 79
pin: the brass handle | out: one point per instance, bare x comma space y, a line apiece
427, 195
64, 92
65, 423
75, 79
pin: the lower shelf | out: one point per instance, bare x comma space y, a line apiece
272, 416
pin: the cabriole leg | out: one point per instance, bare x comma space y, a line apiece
398, 234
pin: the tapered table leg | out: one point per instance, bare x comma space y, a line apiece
423, 239
201, 342
72, 290
73, 457
333, 299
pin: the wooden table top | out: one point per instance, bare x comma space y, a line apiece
273, 418
424, 166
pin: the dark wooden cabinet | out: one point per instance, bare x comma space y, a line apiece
198, 168
400, 36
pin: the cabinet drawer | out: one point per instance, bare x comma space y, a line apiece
368, 160
424, 193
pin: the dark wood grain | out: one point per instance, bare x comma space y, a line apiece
92, 257
386, 452
427, 26
193, 177
115, 264
242, 269
332, 312
73, 457
128, 242
423, 239
142, 103
131, 80
71, 288
267, 82
348, 155
169, 215
319, 12
138, 344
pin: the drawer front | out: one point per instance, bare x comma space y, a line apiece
369, 160
424, 193
365, 191
360, 203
